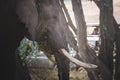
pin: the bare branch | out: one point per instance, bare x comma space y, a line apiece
70, 23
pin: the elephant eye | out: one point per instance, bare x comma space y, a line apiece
55, 17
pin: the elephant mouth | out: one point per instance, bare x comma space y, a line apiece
76, 61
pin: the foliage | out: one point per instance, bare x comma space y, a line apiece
28, 47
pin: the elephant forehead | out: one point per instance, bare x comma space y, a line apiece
51, 10
47, 12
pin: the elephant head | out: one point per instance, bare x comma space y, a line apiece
46, 24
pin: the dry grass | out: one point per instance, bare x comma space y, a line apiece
43, 74
46, 74
75, 75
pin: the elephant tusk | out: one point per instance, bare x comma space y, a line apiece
74, 60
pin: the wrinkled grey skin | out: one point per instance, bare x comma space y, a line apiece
43, 21
44, 16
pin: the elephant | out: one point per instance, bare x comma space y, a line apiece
41, 21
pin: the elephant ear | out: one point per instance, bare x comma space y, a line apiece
27, 13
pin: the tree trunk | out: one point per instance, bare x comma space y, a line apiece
107, 36
117, 44
117, 58
85, 53
81, 27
